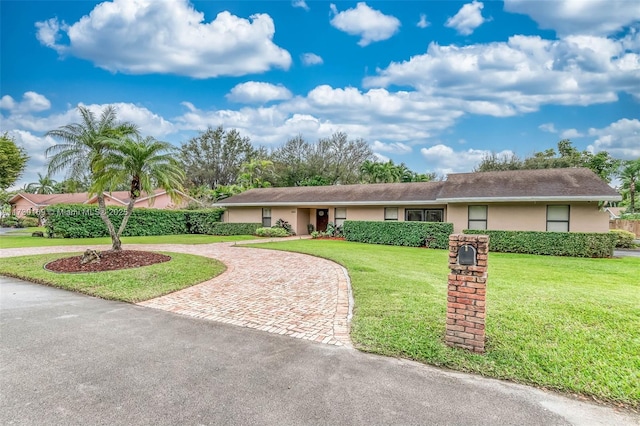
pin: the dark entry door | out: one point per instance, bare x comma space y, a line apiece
322, 219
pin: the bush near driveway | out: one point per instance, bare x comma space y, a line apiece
624, 239
575, 244
410, 234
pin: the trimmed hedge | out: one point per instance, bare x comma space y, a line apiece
575, 244
410, 234
624, 239
223, 228
272, 232
84, 221
202, 221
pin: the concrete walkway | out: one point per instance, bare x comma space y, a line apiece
70, 359
292, 294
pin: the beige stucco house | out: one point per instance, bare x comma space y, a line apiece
24, 203
524, 200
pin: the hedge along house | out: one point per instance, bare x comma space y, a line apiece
563, 200
24, 203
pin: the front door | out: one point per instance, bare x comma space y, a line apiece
322, 219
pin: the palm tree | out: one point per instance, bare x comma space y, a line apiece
84, 142
630, 176
44, 185
143, 164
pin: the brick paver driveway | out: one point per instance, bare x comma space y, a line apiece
275, 291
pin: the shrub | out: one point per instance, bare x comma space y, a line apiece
29, 222
202, 221
410, 234
315, 234
9, 221
624, 239
576, 244
271, 232
223, 228
283, 224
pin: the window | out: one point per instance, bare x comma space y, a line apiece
558, 218
390, 213
266, 218
341, 216
477, 217
424, 215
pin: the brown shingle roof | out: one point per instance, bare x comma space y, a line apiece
569, 183
521, 185
337, 194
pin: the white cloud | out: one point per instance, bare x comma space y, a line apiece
393, 147
521, 74
370, 24
150, 124
167, 37
258, 92
621, 139
571, 134
443, 159
548, 127
381, 158
468, 18
31, 102
597, 17
310, 59
300, 3
423, 23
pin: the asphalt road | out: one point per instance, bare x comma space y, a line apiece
72, 359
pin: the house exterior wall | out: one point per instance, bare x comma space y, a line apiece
22, 207
243, 215
583, 217
303, 219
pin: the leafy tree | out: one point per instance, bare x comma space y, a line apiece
567, 155
44, 185
630, 176
215, 156
254, 174
13, 160
334, 160
376, 172
143, 164
71, 186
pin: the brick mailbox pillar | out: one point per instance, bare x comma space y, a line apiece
467, 291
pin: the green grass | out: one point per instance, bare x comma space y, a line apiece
24, 239
128, 285
561, 323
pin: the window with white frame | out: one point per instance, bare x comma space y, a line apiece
424, 215
390, 213
558, 218
341, 215
477, 217
266, 217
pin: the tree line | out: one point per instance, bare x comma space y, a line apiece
218, 163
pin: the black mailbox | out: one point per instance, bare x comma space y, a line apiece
467, 255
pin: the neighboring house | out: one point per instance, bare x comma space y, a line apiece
24, 203
614, 212
523, 200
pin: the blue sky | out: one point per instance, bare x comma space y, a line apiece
433, 84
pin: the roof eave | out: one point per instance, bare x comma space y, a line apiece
330, 203
529, 199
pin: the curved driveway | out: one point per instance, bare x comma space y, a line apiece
275, 291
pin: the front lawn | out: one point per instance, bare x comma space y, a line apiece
128, 285
568, 324
20, 239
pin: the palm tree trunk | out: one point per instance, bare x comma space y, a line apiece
116, 244
126, 217
632, 196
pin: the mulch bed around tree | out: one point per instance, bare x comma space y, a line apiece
109, 261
